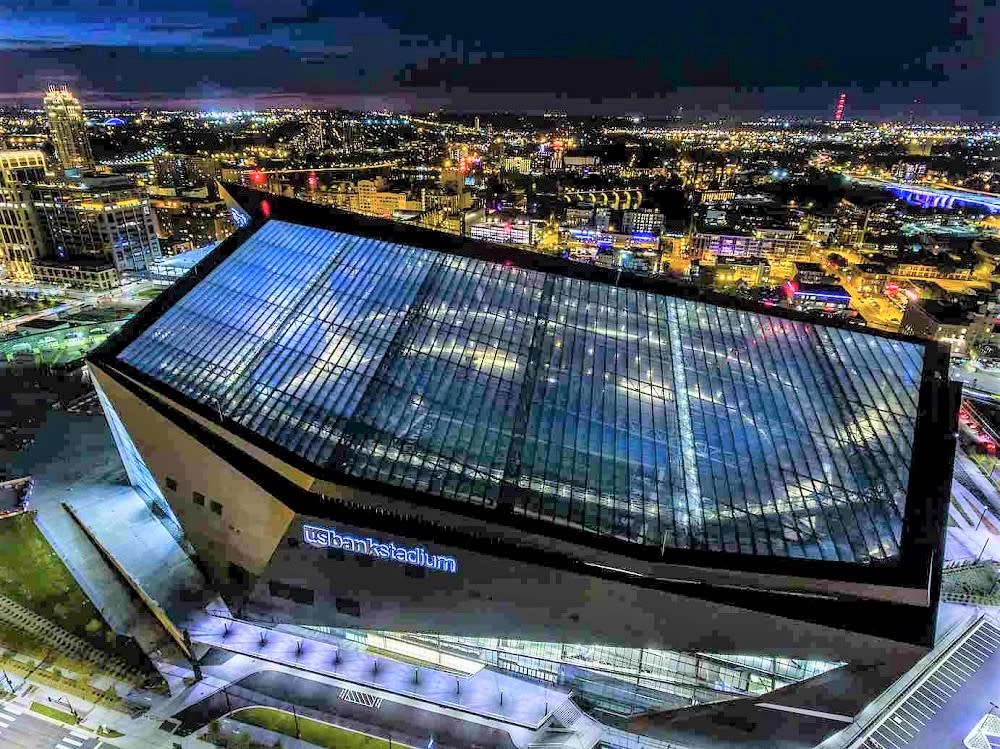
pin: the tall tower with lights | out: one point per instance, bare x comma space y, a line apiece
838, 112
69, 130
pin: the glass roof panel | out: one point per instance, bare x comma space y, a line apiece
651, 418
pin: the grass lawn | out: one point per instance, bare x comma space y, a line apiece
958, 506
51, 712
32, 574
312, 731
147, 293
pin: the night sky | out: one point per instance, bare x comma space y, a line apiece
926, 58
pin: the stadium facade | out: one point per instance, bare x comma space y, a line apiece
368, 425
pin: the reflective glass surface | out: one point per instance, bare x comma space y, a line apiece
659, 420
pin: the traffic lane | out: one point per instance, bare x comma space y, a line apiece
28, 732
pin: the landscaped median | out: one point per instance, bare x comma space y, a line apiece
50, 712
312, 731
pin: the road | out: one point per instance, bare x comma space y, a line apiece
22, 730
975, 514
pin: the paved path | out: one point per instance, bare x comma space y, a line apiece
489, 693
387, 719
949, 702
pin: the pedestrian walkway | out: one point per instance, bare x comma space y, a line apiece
488, 693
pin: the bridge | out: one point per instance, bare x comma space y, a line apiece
614, 198
941, 195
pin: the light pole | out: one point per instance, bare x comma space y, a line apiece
64, 701
982, 550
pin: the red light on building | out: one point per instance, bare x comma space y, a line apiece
257, 178
790, 288
891, 288
312, 180
838, 113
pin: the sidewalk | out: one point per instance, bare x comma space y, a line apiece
969, 537
139, 733
488, 693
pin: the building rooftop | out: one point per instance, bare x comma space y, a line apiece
822, 288
486, 376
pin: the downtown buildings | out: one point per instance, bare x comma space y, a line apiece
90, 232
367, 426
82, 228
22, 240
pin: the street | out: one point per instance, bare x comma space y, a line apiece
20, 729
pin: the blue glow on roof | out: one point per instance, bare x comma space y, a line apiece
663, 421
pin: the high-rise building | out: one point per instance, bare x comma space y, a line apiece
69, 129
95, 223
21, 237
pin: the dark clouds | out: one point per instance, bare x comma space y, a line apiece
772, 53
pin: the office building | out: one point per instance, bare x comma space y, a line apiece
69, 129
772, 247
506, 231
953, 324
751, 271
519, 164
642, 221
189, 222
21, 238
372, 426
810, 273
93, 224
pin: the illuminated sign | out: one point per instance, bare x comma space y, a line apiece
330, 538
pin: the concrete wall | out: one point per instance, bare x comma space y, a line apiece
251, 521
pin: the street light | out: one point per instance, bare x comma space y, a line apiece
64, 701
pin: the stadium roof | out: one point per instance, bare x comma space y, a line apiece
483, 376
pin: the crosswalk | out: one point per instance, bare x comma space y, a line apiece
8, 714
22, 729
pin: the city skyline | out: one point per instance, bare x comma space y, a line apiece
928, 63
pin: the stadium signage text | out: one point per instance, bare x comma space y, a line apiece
330, 538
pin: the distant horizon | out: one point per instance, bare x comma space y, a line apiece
32, 102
